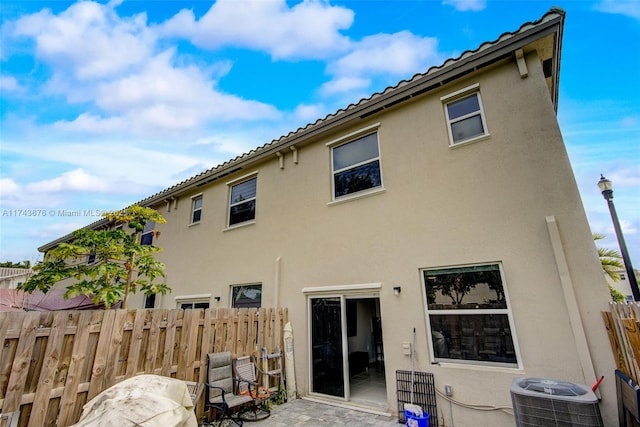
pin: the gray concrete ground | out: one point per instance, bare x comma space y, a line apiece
302, 412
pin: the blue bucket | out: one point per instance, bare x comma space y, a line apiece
414, 420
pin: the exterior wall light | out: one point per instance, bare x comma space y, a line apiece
606, 188
396, 290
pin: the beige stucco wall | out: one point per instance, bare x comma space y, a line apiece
477, 203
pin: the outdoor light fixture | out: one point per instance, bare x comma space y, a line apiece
217, 299
607, 192
396, 290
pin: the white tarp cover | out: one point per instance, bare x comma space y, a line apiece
144, 400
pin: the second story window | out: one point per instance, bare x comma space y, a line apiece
465, 115
242, 202
356, 166
196, 209
147, 233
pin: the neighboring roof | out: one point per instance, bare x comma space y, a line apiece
543, 35
16, 300
9, 272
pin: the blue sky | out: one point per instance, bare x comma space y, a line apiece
104, 104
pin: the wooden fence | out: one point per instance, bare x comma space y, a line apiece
623, 327
52, 363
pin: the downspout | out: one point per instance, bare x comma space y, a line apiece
572, 304
276, 287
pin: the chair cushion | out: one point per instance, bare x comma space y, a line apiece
232, 400
220, 374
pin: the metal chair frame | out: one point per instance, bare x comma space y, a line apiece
223, 394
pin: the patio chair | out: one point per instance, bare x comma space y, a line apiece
245, 369
221, 395
195, 392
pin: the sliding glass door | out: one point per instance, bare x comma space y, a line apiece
327, 354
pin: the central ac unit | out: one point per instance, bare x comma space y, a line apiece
543, 402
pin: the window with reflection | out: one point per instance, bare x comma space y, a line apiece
242, 206
466, 118
191, 305
356, 166
246, 296
469, 316
147, 233
196, 209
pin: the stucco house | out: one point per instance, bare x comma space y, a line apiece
445, 205
622, 284
11, 278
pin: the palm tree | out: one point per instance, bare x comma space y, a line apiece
610, 260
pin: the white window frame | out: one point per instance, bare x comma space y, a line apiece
194, 198
462, 312
347, 139
193, 299
230, 185
457, 96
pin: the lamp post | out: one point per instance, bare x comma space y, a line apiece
607, 192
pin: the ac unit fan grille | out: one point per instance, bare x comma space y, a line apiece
544, 412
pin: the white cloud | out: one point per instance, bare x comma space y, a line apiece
630, 8
161, 98
15, 196
8, 187
307, 112
75, 180
88, 39
231, 144
130, 169
90, 123
397, 55
10, 193
625, 176
628, 227
466, 5
186, 93
109, 68
606, 228
9, 84
56, 230
310, 29
344, 84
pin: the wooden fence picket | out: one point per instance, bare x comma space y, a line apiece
21, 362
167, 354
208, 335
46, 381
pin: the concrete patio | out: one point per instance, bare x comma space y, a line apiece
308, 413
